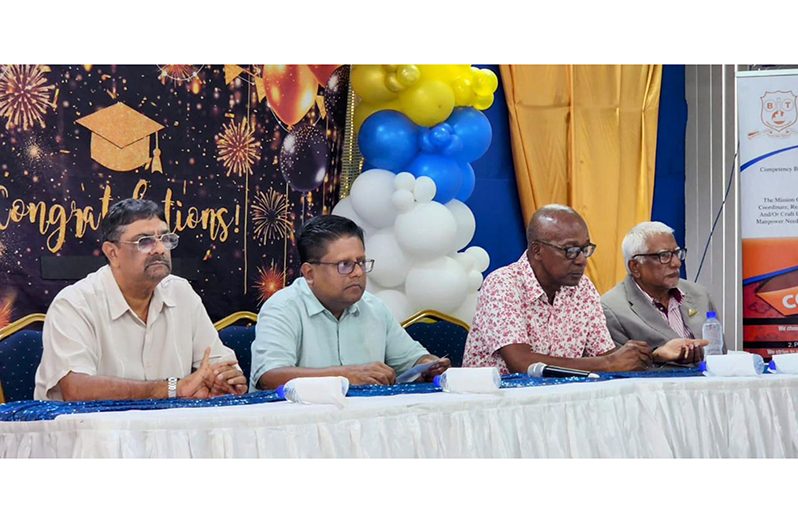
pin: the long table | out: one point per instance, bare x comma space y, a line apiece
636, 417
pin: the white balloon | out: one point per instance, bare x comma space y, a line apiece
403, 200
466, 225
405, 180
371, 197
372, 287
424, 190
466, 260
344, 208
390, 263
427, 231
397, 302
474, 281
481, 258
466, 311
440, 284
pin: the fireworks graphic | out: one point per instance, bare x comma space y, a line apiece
25, 95
269, 281
6, 309
237, 148
270, 216
178, 72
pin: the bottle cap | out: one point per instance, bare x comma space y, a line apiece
772, 365
437, 380
280, 391
702, 366
711, 314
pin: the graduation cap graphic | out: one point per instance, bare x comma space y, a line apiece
120, 138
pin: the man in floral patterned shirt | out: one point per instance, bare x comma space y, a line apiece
543, 309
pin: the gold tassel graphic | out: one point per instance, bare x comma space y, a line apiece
156, 158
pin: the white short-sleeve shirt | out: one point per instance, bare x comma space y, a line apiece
91, 329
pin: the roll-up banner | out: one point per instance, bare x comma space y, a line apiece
768, 135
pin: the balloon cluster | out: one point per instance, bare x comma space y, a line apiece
414, 241
390, 140
291, 91
427, 94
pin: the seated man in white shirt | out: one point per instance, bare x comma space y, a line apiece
325, 324
131, 330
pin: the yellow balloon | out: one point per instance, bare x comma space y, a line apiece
463, 91
368, 82
408, 74
483, 102
485, 82
428, 103
444, 72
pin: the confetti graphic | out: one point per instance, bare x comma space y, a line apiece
24, 95
237, 148
270, 216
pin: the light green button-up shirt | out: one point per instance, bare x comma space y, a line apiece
295, 330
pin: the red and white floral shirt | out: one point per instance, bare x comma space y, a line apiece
514, 308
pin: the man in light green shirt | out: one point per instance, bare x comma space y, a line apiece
325, 324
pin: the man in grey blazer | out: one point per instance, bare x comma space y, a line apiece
653, 304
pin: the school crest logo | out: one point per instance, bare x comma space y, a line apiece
778, 114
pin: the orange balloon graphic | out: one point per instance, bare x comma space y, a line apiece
290, 90
323, 72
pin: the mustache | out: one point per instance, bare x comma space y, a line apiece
160, 259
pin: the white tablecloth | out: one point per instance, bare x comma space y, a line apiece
649, 417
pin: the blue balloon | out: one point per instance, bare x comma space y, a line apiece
388, 140
445, 172
474, 130
468, 181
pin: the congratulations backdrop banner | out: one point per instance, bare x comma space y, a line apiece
768, 124
239, 156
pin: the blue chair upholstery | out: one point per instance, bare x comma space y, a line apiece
240, 338
440, 334
20, 354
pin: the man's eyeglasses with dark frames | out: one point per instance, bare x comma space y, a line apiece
346, 267
571, 253
146, 244
665, 256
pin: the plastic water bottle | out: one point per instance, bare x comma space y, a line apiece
735, 363
712, 330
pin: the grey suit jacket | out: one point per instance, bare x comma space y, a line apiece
631, 315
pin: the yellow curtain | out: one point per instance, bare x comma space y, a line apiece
586, 136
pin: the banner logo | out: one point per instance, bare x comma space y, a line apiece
778, 114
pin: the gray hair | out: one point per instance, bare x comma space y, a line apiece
636, 240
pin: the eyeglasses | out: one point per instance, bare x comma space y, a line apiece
346, 267
571, 253
665, 256
146, 244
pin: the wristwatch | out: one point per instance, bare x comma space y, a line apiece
171, 389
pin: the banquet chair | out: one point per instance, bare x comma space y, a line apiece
439, 333
20, 353
239, 337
